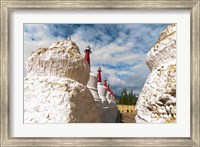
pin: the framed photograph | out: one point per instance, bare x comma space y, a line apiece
98, 73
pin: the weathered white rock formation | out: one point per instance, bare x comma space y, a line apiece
157, 100
55, 88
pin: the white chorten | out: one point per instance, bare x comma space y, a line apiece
157, 100
108, 97
102, 93
92, 85
55, 88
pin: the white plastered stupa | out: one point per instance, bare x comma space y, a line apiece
157, 100
55, 88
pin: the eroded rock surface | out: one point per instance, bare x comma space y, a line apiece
55, 88
157, 100
61, 59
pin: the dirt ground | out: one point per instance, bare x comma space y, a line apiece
128, 118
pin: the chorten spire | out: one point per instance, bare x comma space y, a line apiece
87, 54
108, 87
110, 90
99, 75
105, 82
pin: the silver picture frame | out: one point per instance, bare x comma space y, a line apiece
7, 6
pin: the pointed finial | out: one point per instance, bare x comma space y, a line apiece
88, 49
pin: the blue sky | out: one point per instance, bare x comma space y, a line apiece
120, 49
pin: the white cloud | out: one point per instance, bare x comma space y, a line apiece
128, 48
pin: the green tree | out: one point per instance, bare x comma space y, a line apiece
123, 98
120, 99
127, 98
134, 99
131, 97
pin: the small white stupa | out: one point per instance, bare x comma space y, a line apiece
92, 83
108, 95
101, 88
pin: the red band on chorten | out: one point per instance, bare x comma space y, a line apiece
99, 75
110, 90
87, 54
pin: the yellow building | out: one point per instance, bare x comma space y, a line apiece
126, 108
